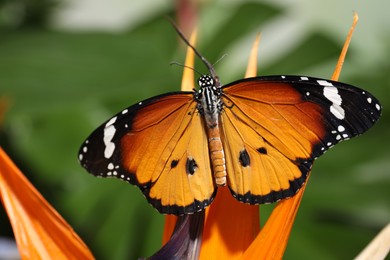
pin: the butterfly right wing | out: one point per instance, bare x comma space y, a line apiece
274, 127
161, 146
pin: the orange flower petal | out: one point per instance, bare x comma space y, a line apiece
340, 62
251, 70
187, 82
230, 227
40, 232
273, 237
169, 226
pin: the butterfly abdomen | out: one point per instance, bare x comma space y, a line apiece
210, 106
217, 155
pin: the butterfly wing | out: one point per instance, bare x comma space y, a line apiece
159, 145
274, 127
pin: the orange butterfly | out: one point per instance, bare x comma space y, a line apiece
258, 135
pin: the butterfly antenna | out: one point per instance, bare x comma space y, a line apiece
223, 56
206, 62
185, 66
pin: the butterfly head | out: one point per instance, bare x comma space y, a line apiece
206, 81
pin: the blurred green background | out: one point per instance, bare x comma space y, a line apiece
67, 66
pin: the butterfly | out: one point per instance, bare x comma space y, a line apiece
259, 136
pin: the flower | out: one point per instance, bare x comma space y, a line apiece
40, 232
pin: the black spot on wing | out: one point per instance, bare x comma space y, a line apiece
244, 158
262, 150
174, 163
191, 166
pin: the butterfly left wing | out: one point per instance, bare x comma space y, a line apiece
274, 127
159, 145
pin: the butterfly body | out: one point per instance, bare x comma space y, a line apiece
210, 107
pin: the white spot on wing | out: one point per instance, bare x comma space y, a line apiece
304, 78
369, 100
80, 157
110, 166
331, 93
324, 83
337, 111
112, 120
125, 111
109, 133
341, 128
378, 107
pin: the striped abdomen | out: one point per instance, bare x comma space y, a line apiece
217, 155
210, 106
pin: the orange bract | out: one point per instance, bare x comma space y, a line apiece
230, 227
40, 232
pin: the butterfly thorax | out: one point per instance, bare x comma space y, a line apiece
209, 100
210, 106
